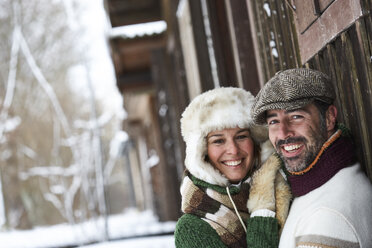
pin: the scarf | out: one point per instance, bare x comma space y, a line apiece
336, 153
212, 204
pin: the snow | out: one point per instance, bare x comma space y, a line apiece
117, 142
266, 7
149, 242
131, 31
130, 229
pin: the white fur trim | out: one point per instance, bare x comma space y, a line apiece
266, 150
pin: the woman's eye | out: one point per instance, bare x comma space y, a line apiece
218, 141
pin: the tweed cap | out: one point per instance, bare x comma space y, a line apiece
292, 89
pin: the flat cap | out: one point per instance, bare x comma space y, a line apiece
292, 89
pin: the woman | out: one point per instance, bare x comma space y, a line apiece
222, 205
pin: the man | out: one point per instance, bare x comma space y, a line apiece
332, 204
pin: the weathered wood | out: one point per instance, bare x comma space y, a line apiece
327, 26
243, 47
276, 35
223, 54
205, 71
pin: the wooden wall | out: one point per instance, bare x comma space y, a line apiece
348, 61
275, 36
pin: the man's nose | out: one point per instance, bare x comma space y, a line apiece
285, 131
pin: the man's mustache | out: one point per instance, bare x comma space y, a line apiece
289, 140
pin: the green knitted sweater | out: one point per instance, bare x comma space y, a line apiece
191, 232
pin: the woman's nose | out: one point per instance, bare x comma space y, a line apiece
232, 147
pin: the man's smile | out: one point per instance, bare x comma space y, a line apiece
291, 150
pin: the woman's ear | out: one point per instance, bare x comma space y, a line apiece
331, 118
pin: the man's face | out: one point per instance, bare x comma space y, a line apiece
297, 135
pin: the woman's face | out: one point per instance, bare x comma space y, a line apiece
231, 151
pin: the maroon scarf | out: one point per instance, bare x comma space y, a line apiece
338, 155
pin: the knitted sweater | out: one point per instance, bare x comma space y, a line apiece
193, 230
337, 214
332, 204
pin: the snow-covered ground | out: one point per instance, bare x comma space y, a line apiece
149, 242
127, 226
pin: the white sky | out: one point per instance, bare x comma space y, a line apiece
102, 75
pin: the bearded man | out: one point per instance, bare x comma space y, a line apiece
332, 204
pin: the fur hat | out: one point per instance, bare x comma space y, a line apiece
214, 110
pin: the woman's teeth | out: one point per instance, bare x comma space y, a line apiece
233, 163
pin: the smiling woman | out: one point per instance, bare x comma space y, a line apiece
228, 197
231, 151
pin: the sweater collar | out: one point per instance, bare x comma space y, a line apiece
336, 154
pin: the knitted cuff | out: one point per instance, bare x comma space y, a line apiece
262, 232
263, 213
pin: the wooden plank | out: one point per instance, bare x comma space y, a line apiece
277, 37
205, 72
222, 43
265, 37
334, 20
335, 73
133, 11
288, 30
323, 4
305, 14
362, 93
344, 94
172, 197
244, 48
358, 122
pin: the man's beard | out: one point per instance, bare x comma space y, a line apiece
312, 148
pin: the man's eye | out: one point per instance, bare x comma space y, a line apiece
297, 117
243, 136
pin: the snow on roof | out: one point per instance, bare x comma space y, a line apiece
139, 30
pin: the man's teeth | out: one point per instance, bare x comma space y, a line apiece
233, 163
291, 147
